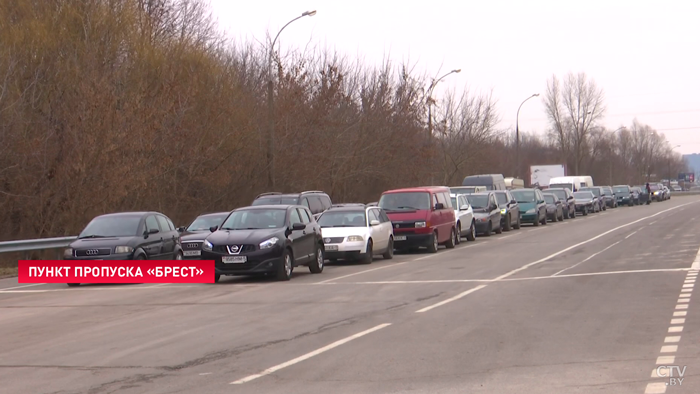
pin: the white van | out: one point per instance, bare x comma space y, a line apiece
514, 183
585, 181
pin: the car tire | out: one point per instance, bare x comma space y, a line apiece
450, 244
508, 224
285, 269
544, 220
472, 233
433, 248
489, 230
178, 256
369, 255
216, 278
458, 238
561, 216
73, 284
389, 254
565, 214
537, 222
316, 266
499, 230
517, 223
572, 214
585, 211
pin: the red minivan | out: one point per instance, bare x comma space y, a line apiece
421, 216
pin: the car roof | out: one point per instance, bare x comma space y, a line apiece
419, 189
214, 214
349, 209
135, 213
271, 206
480, 194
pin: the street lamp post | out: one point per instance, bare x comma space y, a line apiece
517, 137
270, 106
430, 100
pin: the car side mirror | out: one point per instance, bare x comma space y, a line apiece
298, 227
149, 232
439, 206
464, 207
374, 222
213, 228
513, 202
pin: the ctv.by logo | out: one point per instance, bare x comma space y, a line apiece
674, 373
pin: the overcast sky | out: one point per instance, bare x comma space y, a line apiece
644, 54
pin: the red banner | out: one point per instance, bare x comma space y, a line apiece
116, 271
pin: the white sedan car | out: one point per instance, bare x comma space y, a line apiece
356, 232
464, 217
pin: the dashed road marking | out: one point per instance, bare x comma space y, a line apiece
309, 355
455, 298
675, 329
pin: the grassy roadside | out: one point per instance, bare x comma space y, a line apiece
8, 272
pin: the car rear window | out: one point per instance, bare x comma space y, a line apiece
276, 201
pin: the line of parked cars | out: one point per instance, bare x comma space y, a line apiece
278, 232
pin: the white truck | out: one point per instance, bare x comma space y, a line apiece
572, 183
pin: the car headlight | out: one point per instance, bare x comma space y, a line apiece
123, 249
420, 224
267, 244
530, 211
207, 245
503, 211
357, 238
68, 252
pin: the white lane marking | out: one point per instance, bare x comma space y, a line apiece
655, 388
680, 313
677, 321
588, 258
309, 355
526, 266
669, 349
684, 295
205, 373
507, 236
635, 232
21, 287
696, 262
689, 285
458, 296
652, 222
675, 329
666, 360
672, 339
683, 300
682, 291
361, 272
682, 306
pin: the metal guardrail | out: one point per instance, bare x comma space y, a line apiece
28, 245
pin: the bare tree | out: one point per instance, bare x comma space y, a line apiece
573, 108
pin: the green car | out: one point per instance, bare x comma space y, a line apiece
533, 208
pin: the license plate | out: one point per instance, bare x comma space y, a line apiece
234, 259
193, 253
399, 237
331, 247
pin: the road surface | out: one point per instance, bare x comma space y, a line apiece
593, 304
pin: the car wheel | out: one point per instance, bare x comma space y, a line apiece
73, 284
489, 230
537, 221
561, 216
316, 266
178, 256
517, 223
508, 225
433, 248
369, 255
585, 211
565, 214
458, 238
284, 270
216, 278
472, 233
544, 220
499, 230
450, 244
389, 254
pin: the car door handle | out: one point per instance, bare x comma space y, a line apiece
303, 232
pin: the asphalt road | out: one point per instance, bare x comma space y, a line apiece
593, 304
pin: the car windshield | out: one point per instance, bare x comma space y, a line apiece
621, 190
405, 201
502, 198
276, 201
654, 187
255, 219
596, 192
583, 195
205, 222
462, 190
549, 199
524, 195
559, 193
112, 226
560, 186
343, 219
478, 201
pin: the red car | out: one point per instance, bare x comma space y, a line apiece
421, 216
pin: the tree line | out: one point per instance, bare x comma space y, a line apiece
115, 105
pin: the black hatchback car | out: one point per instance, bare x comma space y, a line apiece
624, 195
568, 199
598, 193
127, 236
487, 214
266, 239
193, 235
